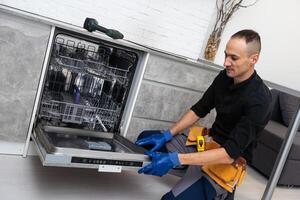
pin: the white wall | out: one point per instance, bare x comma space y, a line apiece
181, 27
178, 26
279, 26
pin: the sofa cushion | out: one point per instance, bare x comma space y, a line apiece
273, 135
288, 105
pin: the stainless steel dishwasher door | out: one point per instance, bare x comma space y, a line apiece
69, 147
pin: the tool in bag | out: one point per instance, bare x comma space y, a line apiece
228, 176
194, 132
200, 143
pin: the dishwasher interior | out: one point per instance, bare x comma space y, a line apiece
84, 96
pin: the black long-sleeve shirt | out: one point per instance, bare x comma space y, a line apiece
243, 110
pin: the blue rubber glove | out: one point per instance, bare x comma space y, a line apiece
161, 163
157, 140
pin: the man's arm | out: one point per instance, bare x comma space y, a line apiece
244, 133
214, 156
187, 120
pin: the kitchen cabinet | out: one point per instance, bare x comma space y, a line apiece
171, 84
22, 48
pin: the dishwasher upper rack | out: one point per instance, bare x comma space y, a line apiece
91, 112
102, 61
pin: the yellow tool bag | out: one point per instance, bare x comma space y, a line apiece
228, 176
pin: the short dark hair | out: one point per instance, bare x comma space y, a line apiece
250, 36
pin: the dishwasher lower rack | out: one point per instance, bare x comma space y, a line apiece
56, 146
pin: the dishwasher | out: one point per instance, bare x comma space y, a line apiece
88, 93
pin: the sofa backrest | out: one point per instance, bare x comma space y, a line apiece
276, 112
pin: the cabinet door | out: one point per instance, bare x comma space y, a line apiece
22, 48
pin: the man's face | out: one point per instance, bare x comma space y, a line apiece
238, 63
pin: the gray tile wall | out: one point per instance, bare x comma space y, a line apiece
168, 90
22, 49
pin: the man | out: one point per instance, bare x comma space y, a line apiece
242, 102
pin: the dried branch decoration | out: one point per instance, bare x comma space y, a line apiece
225, 10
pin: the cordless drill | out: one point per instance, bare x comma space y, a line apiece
91, 25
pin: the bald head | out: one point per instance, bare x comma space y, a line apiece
251, 38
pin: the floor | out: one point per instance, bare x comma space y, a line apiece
254, 187
26, 179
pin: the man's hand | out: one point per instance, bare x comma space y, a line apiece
161, 163
157, 140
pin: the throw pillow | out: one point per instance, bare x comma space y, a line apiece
288, 105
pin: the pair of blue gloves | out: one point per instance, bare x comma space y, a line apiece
161, 162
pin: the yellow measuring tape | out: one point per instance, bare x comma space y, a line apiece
200, 143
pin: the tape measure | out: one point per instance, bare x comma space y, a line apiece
200, 143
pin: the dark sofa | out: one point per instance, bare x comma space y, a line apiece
270, 140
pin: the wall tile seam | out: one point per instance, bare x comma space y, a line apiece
172, 86
192, 63
177, 48
134, 116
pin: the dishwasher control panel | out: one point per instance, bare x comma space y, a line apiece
106, 162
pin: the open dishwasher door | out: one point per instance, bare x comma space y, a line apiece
87, 98
68, 147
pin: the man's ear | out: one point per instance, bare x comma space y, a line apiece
254, 58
